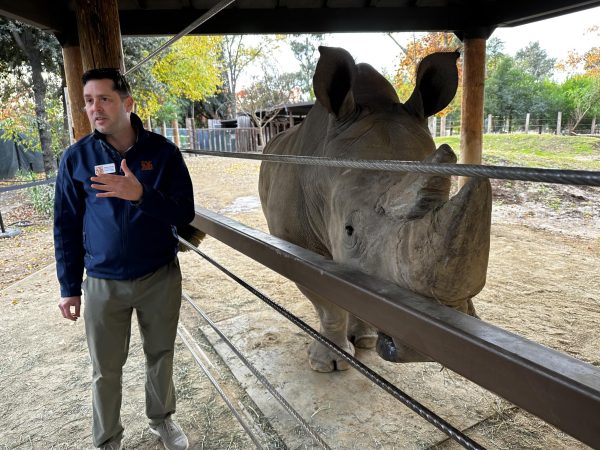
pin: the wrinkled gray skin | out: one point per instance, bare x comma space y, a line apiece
396, 226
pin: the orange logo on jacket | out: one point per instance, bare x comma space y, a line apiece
147, 165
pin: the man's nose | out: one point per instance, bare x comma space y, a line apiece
96, 105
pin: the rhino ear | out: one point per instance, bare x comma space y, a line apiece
437, 81
333, 80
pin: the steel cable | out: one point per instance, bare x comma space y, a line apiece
404, 398
217, 386
557, 176
16, 187
260, 376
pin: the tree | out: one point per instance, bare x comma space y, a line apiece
150, 94
583, 94
534, 60
582, 90
30, 53
494, 52
189, 70
236, 56
305, 50
264, 99
509, 90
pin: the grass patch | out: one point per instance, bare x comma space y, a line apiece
536, 150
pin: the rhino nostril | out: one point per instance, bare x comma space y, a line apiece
349, 230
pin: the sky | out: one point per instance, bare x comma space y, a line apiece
557, 36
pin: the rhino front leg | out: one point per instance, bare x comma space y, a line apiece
334, 326
360, 333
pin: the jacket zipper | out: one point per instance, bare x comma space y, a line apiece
124, 224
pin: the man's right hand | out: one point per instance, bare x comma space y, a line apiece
65, 305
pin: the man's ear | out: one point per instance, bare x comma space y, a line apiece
128, 103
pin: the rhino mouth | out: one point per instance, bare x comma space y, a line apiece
397, 352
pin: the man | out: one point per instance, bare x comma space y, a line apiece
120, 193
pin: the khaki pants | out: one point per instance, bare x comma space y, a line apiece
156, 298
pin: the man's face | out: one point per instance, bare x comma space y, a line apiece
107, 111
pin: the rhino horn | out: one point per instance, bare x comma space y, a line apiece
431, 191
445, 252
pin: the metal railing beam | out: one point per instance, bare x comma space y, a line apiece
559, 389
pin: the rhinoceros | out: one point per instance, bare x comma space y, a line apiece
401, 227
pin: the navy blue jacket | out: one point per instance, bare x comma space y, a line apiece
114, 238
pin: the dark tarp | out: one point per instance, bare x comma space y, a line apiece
15, 157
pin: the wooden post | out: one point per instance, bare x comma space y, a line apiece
593, 128
176, 139
527, 117
489, 124
193, 144
99, 33
188, 127
149, 124
471, 130
558, 123
433, 126
164, 129
443, 126
73, 71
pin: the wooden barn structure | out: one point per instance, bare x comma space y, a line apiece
285, 117
561, 390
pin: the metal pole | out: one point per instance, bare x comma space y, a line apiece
206, 16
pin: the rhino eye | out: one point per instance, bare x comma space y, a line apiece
349, 230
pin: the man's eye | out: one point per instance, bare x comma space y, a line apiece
105, 99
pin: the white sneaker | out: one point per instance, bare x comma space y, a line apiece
171, 434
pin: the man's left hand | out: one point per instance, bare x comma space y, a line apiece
124, 186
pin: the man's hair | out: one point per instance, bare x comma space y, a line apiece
120, 83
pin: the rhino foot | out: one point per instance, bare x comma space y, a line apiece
361, 334
395, 351
322, 359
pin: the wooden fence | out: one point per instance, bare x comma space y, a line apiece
220, 139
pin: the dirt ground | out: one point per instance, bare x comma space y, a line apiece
543, 283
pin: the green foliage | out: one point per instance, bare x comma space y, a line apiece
535, 150
190, 69
534, 61
31, 57
14, 58
582, 93
41, 197
173, 108
148, 92
18, 118
509, 91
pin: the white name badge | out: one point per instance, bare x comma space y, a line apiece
104, 168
